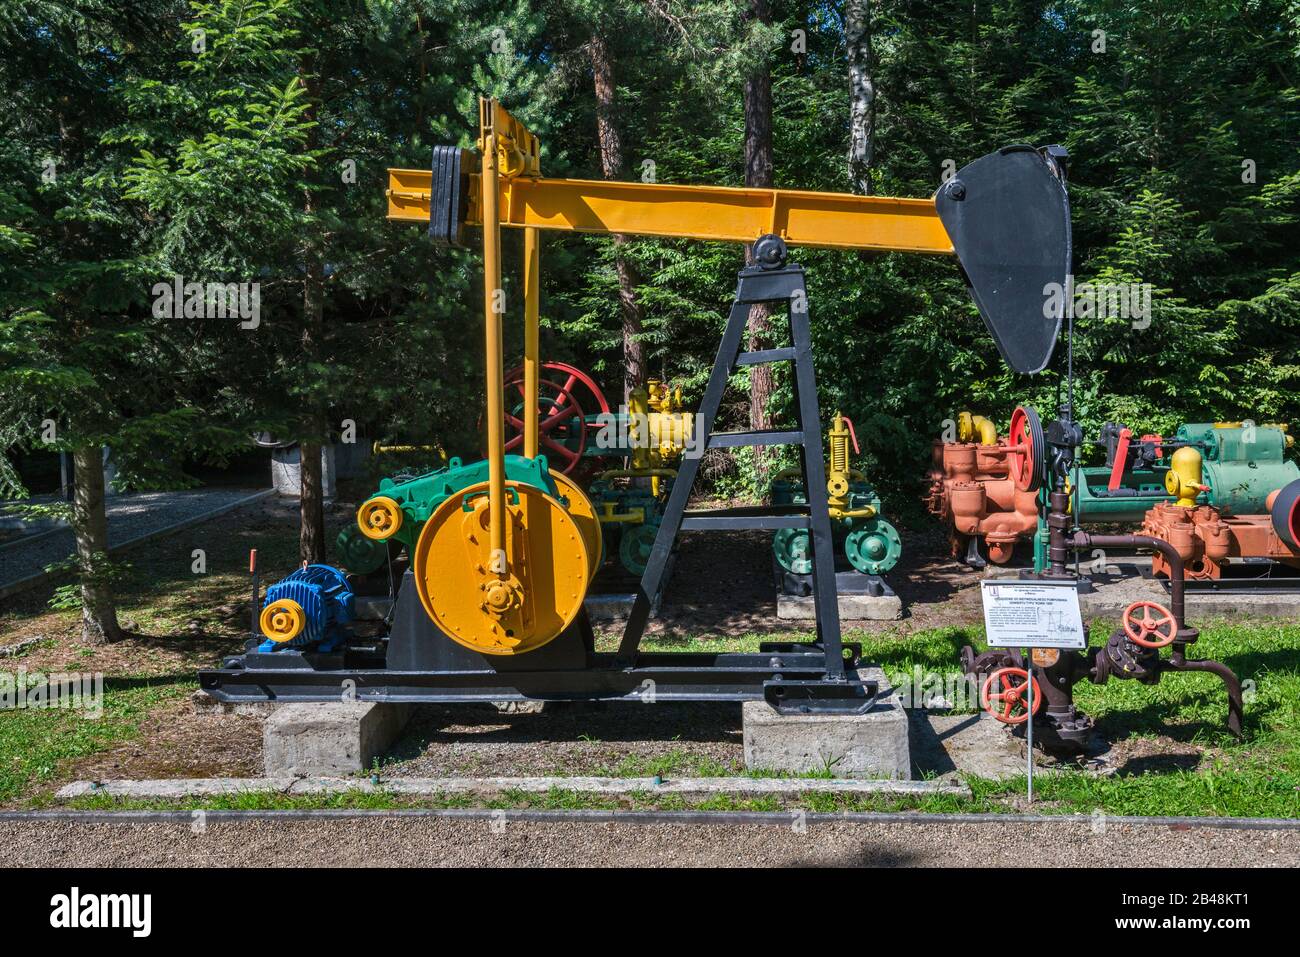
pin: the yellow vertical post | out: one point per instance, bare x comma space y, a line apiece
493, 306
532, 345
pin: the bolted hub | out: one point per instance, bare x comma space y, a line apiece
501, 597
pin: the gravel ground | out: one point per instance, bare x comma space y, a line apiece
429, 841
130, 515
572, 739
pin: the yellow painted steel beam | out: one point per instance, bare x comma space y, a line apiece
725, 214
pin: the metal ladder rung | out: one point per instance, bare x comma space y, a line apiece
769, 517
729, 440
784, 354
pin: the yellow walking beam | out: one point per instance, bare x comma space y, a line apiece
801, 218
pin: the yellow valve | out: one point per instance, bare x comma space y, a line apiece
379, 518
838, 472
282, 620
546, 560
1183, 480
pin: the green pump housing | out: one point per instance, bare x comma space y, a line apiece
420, 497
1242, 465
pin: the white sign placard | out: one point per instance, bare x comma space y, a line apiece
1041, 614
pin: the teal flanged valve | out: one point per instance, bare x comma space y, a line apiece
629, 504
634, 546
873, 547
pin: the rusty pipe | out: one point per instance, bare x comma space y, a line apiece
1231, 682
1082, 540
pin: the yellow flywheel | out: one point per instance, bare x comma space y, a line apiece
282, 620
584, 513
468, 597
379, 517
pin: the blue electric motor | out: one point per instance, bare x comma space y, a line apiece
309, 607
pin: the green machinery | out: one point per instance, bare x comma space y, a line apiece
866, 538
1242, 463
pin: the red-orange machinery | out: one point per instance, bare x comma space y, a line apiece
1206, 538
975, 490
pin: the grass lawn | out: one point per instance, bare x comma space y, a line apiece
1179, 759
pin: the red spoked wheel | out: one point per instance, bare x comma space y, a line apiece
1003, 695
1025, 449
1149, 624
565, 397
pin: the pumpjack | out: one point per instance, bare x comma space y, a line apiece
502, 551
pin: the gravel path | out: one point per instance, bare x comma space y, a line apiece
130, 516
440, 841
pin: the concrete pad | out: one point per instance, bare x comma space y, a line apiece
870, 745
852, 607
331, 737
429, 787
946, 746
1111, 595
174, 788
1126, 583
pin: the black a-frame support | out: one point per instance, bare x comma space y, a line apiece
770, 279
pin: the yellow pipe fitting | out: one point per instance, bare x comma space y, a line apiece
378, 449
633, 516
864, 512
971, 427
1183, 480
986, 429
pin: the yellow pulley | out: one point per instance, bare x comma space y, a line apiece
511, 606
282, 620
584, 513
379, 518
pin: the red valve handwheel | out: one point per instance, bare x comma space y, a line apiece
1003, 695
561, 426
1150, 624
565, 395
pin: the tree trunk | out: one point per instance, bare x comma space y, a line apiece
90, 526
311, 505
862, 96
311, 497
759, 172
611, 164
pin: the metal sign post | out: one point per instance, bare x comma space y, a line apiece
1029, 726
1030, 615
